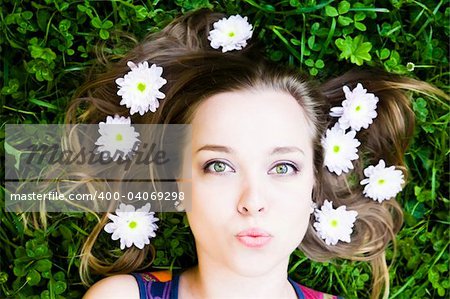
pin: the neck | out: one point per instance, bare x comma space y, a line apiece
216, 281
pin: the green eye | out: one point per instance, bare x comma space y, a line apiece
285, 169
219, 166
281, 169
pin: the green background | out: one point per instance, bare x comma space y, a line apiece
47, 47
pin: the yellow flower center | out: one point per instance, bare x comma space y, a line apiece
231, 34
119, 137
334, 223
132, 224
141, 87
358, 108
336, 148
381, 181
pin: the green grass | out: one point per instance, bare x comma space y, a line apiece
48, 46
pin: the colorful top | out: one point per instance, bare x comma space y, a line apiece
161, 285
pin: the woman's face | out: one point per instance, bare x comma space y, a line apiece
252, 174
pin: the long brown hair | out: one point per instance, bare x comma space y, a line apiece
195, 72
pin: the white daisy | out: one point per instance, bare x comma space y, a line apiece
382, 183
139, 88
230, 33
334, 225
132, 227
179, 206
340, 149
117, 138
358, 109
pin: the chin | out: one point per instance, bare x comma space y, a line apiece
254, 265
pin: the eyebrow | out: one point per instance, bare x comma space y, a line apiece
276, 151
215, 148
286, 150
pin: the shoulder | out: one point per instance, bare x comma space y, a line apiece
117, 286
313, 294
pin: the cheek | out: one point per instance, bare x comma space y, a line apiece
294, 225
212, 197
295, 196
295, 212
211, 208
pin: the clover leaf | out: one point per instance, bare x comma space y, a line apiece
355, 49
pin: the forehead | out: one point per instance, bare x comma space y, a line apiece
252, 117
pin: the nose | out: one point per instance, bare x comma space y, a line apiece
251, 200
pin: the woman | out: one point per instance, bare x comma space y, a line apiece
257, 164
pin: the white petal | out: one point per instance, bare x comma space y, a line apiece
337, 111
140, 233
230, 33
140, 87
145, 208
334, 225
139, 244
132, 65
117, 137
358, 109
340, 149
382, 183
110, 227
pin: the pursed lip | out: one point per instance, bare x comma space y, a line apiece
254, 237
253, 232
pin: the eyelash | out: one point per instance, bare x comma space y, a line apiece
208, 164
295, 169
